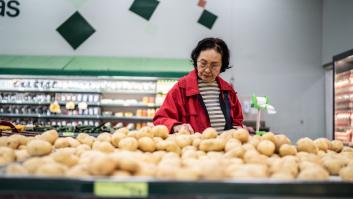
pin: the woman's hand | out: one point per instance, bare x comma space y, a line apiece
183, 127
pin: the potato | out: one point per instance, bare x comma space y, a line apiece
266, 147
21, 155
66, 157
313, 173
189, 154
281, 140
7, 155
171, 146
285, 165
84, 138
62, 143
254, 140
147, 131
121, 174
147, 170
287, 149
346, 173
49, 136
20, 138
209, 133
51, 169
196, 142
226, 135
123, 130
322, 144
4, 141
208, 171
116, 137
39, 147
237, 152
101, 165
81, 149
146, 144
128, 143
160, 131
336, 145
103, 146
253, 157
136, 134
166, 172
128, 163
161, 145
231, 143
333, 165
77, 171
32, 164
282, 175
248, 147
241, 134
187, 174
104, 137
16, 169
13, 142
269, 136
250, 171
306, 145
183, 140
347, 149
212, 145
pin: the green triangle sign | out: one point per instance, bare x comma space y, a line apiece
77, 3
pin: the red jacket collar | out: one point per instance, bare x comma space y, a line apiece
190, 83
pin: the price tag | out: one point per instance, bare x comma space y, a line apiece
67, 134
120, 189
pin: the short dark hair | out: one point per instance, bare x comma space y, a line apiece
212, 43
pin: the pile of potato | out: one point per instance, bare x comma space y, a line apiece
152, 152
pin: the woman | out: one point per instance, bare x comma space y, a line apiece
202, 99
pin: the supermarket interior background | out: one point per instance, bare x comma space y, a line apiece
278, 48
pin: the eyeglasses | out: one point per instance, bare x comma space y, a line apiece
212, 66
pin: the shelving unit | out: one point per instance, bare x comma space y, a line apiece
130, 101
22, 187
343, 97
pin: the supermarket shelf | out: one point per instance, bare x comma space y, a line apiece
50, 116
135, 118
90, 187
50, 90
43, 103
129, 92
129, 105
88, 103
98, 117
76, 91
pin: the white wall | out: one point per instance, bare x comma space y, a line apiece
337, 28
276, 48
275, 45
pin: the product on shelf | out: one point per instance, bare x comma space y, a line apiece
152, 152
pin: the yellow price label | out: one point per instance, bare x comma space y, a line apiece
68, 133
120, 189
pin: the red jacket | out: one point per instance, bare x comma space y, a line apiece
184, 104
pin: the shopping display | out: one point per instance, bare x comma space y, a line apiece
343, 97
69, 104
153, 152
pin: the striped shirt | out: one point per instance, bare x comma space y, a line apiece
210, 95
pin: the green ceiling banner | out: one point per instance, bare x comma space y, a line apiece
207, 19
144, 8
76, 30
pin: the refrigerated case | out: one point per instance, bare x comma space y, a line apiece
343, 97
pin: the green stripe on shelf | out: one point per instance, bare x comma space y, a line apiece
34, 62
93, 66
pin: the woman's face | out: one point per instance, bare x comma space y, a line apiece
209, 64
